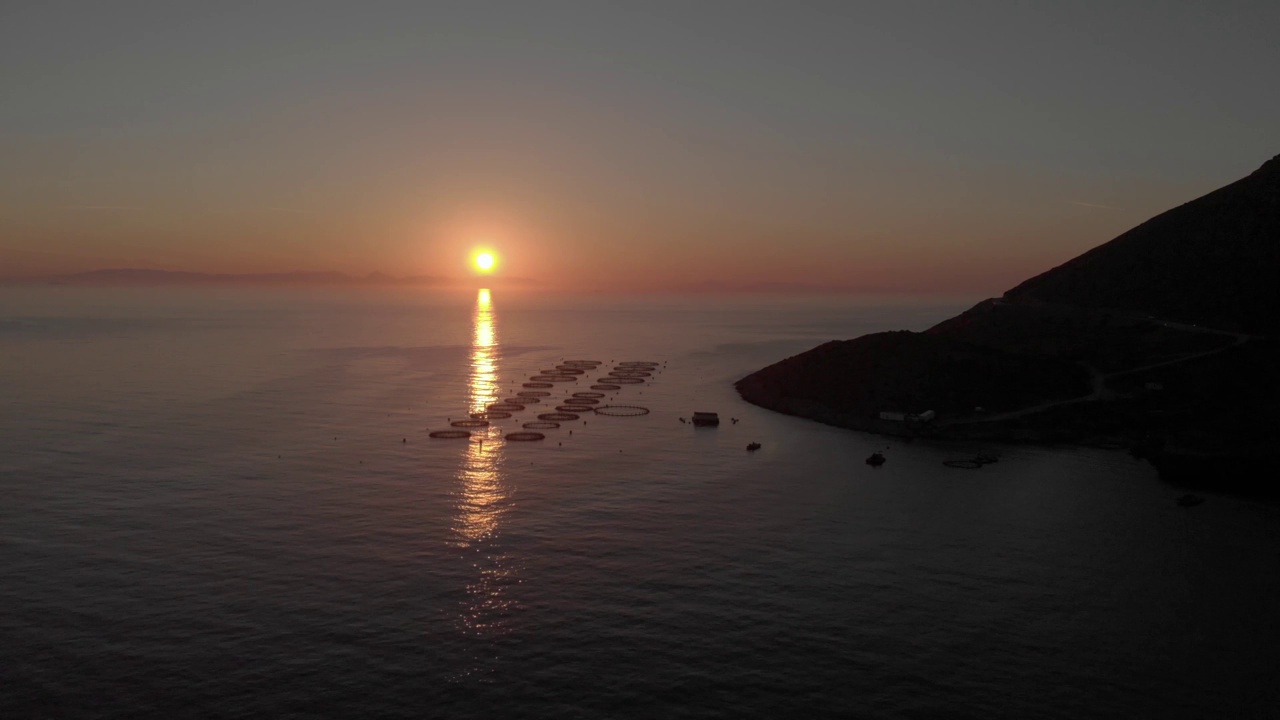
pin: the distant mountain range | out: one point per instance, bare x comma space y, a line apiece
144, 277
1163, 340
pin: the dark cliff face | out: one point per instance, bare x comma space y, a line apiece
910, 372
1214, 260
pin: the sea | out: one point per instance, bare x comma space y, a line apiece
227, 503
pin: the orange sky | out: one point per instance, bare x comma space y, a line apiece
959, 153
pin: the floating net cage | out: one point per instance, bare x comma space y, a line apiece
574, 408
568, 370
621, 380
525, 436
522, 400
506, 407
582, 363
638, 364
575, 400
533, 394
963, 464
606, 386
450, 434
472, 423
588, 395
621, 410
552, 379
538, 385
490, 415
628, 373
558, 416
540, 425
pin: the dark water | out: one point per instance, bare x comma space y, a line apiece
225, 504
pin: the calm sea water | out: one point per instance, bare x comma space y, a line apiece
226, 504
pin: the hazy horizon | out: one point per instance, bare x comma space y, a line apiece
906, 148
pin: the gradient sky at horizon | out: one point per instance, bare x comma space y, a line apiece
904, 146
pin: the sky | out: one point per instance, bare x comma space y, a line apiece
881, 147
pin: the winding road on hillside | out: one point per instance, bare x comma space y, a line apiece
1099, 379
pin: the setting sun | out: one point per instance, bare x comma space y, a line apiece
485, 261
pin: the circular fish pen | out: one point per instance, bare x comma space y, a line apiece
575, 400
552, 379
588, 395
533, 394
525, 436
628, 374
574, 408
638, 364
499, 415
621, 380
621, 410
538, 385
521, 400
962, 464
506, 407
582, 363
473, 423
539, 425
568, 370
449, 434
558, 416
606, 386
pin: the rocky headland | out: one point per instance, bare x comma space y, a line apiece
1162, 341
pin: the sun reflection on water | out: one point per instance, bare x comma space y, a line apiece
483, 497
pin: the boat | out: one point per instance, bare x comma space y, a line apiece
752, 447
876, 460
706, 419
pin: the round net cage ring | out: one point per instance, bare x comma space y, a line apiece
479, 416
962, 464
621, 410
558, 416
540, 425
538, 385
580, 363
622, 380
472, 423
449, 434
525, 436
552, 379
521, 400
638, 363
498, 414
638, 371
568, 370
588, 395
606, 386
574, 408
533, 393
506, 407
575, 400
628, 374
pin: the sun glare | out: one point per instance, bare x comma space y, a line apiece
484, 261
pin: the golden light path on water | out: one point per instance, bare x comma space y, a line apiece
483, 497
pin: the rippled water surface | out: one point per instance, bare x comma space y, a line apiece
226, 504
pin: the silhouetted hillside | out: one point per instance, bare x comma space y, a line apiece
1150, 341
1214, 260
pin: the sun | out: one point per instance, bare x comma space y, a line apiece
484, 261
